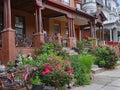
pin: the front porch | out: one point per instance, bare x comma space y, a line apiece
29, 24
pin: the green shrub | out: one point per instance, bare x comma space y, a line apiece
101, 63
82, 67
51, 47
106, 54
88, 61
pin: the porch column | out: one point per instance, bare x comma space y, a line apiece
71, 33
102, 41
8, 35
115, 35
111, 35
102, 33
39, 35
92, 30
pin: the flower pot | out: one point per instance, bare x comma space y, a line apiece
37, 87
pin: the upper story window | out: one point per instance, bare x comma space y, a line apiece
1, 22
109, 6
20, 26
86, 1
78, 6
67, 2
58, 0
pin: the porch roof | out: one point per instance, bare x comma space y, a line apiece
84, 14
60, 5
26, 5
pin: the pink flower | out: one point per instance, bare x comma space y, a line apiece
59, 66
69, 69
52, 69
43, 73
47, 70
47, 65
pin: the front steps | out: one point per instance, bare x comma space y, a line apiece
96, 69
69, 51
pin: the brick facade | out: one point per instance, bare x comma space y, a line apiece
36, 22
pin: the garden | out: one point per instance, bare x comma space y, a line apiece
51, 68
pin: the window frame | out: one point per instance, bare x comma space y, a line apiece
23, 28
66, 3
79, 8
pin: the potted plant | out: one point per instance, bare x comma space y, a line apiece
36, 83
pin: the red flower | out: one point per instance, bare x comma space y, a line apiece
47, 65
69, 69
43, 73
47, 70
52, 69
59, 66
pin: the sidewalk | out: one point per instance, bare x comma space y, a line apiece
107, 80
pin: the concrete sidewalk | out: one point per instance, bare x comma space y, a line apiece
107, 80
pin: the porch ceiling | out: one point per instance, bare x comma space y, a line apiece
25, 5
1, 2
78, 21
51, 13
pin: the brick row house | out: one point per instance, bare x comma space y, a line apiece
28, 24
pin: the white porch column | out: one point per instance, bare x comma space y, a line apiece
111, 35
115, 35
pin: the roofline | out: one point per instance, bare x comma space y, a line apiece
70, 9
80, 12
61, 6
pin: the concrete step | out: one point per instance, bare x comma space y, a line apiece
97, 70
94, 66
118, 63
69, 51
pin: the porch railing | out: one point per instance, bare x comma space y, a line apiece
64, 42
24, 41
50, 38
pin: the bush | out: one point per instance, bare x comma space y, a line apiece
82, 67
107, 54
53, 68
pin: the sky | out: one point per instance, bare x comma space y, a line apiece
119, 2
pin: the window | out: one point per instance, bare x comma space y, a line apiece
67, 2
58, 0
56, 28
84, 1
91, 11
78, 6
20, 26
1, 22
